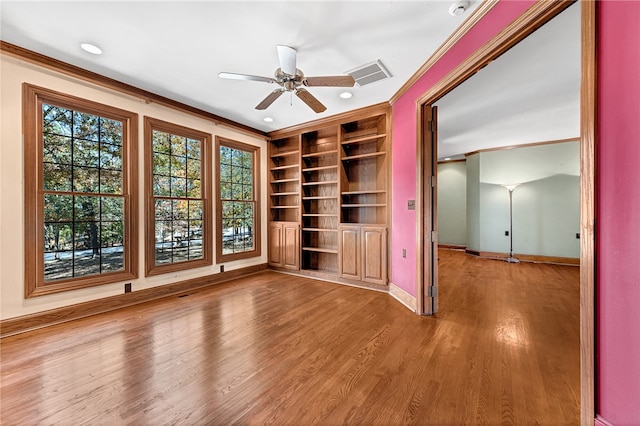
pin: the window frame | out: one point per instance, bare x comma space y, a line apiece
151, 268
34, 281
255, 151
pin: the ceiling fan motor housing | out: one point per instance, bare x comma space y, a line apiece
289, 82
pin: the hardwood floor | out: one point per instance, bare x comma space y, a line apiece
277, 349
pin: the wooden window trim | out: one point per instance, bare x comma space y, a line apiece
255, 150
151, 124
34, 283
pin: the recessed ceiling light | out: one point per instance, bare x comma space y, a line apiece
268, 119
346, 95
91, 48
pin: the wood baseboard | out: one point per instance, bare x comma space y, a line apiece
599, 421
533, 258
12, 326
403, 297
452, 246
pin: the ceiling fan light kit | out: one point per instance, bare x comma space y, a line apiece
291, 79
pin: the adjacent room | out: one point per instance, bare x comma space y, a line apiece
319, 213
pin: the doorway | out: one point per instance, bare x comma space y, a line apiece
426, 299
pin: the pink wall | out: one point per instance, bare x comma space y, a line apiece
618, 213
403, 223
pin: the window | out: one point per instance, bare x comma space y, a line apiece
80, 184
178, 200
238, 209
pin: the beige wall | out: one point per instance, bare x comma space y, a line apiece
14, 72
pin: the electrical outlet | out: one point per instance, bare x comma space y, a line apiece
411, 204
221, 268
577, 235
127, 288
404, 252
506, 233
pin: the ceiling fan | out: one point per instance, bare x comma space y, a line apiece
291, 79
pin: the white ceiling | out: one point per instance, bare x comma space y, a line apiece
176, 49
529, 94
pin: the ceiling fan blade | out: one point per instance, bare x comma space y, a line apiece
269, 99
287, 57
310, 100
234, 76
331, 81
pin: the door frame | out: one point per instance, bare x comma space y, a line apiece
537, 15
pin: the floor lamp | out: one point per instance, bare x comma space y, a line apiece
511, 259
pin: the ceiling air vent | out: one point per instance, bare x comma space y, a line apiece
369, 73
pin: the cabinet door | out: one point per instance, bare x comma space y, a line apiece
349, 248
290, 249
275, 244
374, 254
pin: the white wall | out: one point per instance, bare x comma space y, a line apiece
452, 203
546, 206
13, 73
473, 202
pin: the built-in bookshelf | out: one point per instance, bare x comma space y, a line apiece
331, 177
364, 170
320, 211
284, 181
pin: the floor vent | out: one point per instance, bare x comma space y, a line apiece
369, 73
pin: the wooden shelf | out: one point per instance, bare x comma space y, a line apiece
319, 230
291, 166
320, 154
285, 180
321, 250
319, 215
364, 156
363, 139
284, 154
317, 169
353, 206
377, 191
285, 207
328, 182
279, 194
324, 197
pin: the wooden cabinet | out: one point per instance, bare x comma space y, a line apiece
363, 253
284, 245
350, 252
330, 178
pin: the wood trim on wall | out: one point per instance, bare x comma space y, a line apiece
402, 296
588, 146
524, 145
329, 121
452, 247
532, 258
12, 326
460, 32
118, 86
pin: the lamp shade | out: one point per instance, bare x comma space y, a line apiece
512, 186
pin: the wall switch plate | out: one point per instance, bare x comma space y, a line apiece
577, 235
506, 233
411, 204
